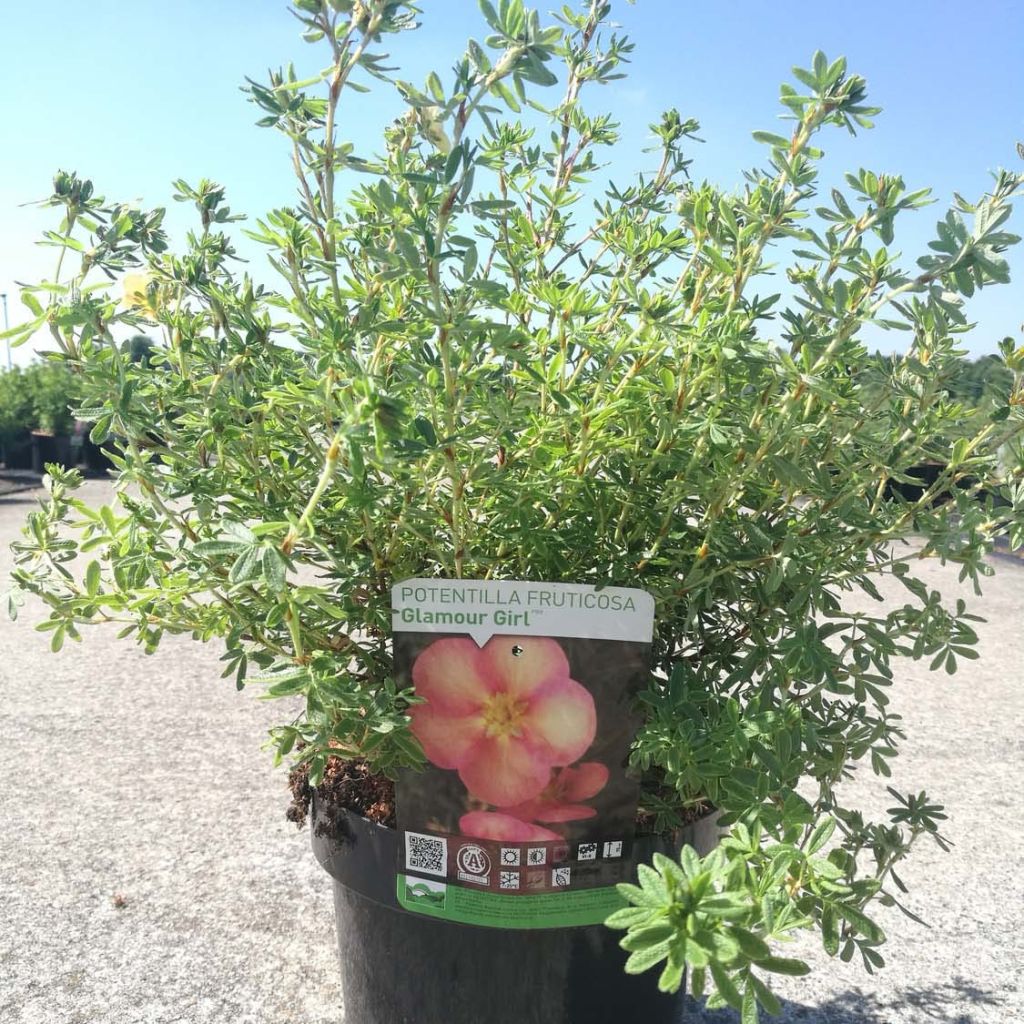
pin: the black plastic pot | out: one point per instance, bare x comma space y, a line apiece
404, 968
17, 452
51, 448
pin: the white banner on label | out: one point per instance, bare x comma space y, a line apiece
483, 608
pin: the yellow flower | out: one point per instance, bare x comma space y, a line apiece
137, 291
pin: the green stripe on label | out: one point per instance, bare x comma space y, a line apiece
493, 910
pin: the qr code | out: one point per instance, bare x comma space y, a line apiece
428, 854
587, 851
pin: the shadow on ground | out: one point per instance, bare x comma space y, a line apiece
957, 1002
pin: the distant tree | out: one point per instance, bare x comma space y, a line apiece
15, 406
980, 380
975, 383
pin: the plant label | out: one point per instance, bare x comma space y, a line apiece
526, 711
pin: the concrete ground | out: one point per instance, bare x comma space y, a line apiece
13, 481
149, 875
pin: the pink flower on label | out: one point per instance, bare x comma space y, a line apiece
503, 828
502, 715
560, 799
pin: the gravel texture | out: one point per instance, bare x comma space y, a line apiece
150, 876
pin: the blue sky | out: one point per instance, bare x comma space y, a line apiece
134, 96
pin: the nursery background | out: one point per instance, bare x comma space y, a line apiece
150, 874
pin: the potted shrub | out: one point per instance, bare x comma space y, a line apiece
15, 418
50, 389
468, 372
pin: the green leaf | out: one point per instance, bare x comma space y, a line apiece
286, 683
92, 578
490, 15
247, 565
861, 922
668, 868
748, 1013
239, 532
652, 883
627, 917
22, 332
752, 946
697, 979
671, 977
641, 897
770, 139
452, 163
725, 986
274, 568
218, 548
783, 965
647, 935
765, 996
689, 862
695, 954
644, 959
426, 430
100, 431
109, 520
820, 835
726, 906
435, 87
